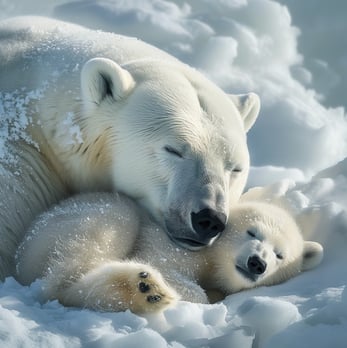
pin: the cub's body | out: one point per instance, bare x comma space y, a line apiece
102, 251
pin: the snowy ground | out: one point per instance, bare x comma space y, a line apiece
302, 130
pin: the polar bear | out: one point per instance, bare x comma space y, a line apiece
101, 251
85, 110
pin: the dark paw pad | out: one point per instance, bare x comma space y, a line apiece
143, 275
143, 287
153, 298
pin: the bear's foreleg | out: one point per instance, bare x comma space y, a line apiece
117, 286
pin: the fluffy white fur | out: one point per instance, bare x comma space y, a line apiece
102, 251
97, 111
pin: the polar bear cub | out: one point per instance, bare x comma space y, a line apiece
101, 251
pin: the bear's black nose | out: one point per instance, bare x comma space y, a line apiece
208, 223
256, 265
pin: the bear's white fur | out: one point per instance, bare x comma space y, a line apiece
101, 251
86, 110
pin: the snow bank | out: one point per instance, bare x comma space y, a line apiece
242, 45
320, 46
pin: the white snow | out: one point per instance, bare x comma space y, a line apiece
300, 74
74, 135
13, 111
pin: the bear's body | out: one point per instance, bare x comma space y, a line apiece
102, 251
85, 110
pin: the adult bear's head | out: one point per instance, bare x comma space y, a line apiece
177, 142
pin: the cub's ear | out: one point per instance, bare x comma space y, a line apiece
248, 106
102, 77
312, 255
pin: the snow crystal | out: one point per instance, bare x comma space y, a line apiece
15, 117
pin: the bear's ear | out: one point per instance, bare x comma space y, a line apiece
312, 255
248, 106
102, 77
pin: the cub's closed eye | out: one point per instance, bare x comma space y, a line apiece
172, 151
251, 234
279, 256
237, 170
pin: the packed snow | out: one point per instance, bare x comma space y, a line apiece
294, 58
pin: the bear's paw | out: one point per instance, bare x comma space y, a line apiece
121, 285
148, 290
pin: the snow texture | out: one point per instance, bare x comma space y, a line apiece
297, 147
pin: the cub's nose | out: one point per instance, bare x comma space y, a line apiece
208, 223
256, 265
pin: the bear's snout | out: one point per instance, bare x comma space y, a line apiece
208, 223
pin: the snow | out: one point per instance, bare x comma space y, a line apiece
300, 73
75, 135
13, 111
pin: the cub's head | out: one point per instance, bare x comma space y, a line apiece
262, 245
176, 142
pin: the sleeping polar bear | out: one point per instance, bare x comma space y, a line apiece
84, 110
101, 251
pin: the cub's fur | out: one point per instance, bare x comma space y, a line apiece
102, 251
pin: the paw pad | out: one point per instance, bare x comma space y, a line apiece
143, 287
153, 298
150, 287
143, 275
